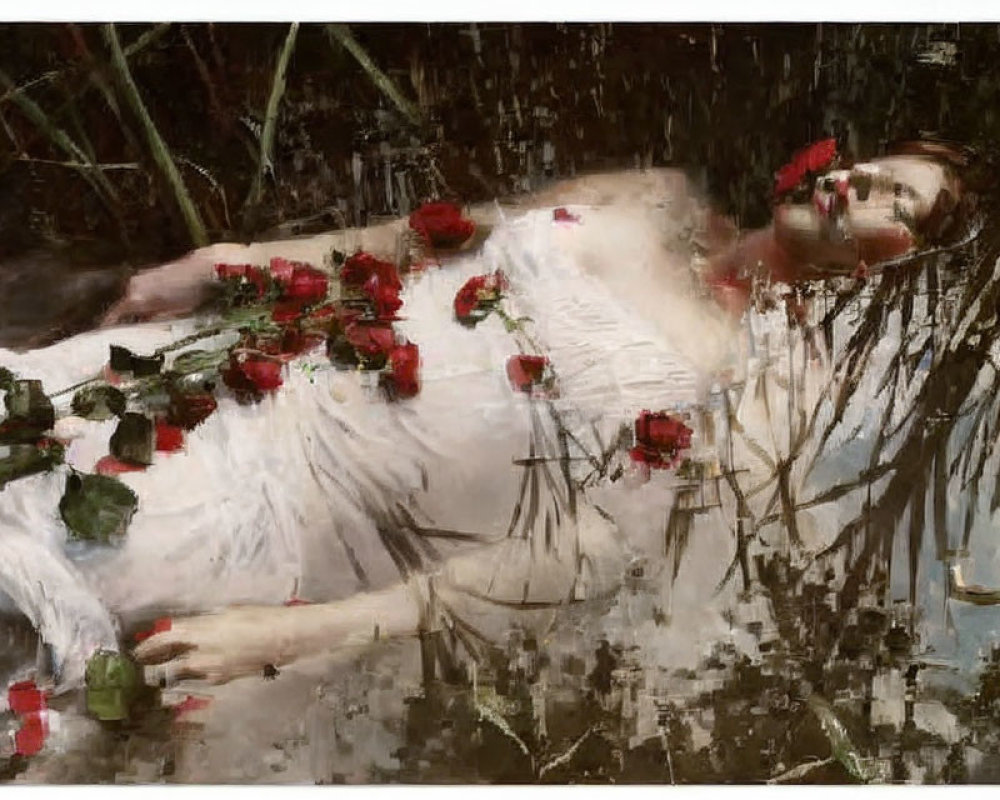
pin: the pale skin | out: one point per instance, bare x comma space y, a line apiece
241, 640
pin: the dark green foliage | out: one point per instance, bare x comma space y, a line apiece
112, 684
29, 412
97, 508
134, 439
20, 460
99, 403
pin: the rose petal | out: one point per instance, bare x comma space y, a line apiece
161, 625
24, 697
169, 438
111, 466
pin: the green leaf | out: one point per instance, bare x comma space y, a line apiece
97, 507
112, 684
29, 413
120, 358
21, 460
144, 366
133, 439
99, 403
195, 361
7, 379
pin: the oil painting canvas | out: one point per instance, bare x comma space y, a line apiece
499, 402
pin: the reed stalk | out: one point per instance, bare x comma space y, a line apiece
265, 161
158, 147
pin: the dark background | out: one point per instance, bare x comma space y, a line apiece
503, 107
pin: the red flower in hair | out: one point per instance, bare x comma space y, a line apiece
813, 158
442, 224
525, 372
403, 377
659, 439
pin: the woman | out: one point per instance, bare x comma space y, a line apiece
392, 518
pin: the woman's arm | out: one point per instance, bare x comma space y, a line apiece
242, 640
181, 287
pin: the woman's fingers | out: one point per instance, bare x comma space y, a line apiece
162, 647
121, 312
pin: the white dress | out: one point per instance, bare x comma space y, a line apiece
326, 486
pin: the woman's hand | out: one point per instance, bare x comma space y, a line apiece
169, 291
247, 640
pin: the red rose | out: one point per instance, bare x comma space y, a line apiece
228, 271
286, 311
403, 378
189, 410
659, 439
24, 697
562, 215
281, 269
662, 431
813, 158
258, 277
478, 294
169, 438
371, 339
306, 284
525, 371
442, 224
467, 298
265, 374
294, 342
360, 267
384, 296
252, 375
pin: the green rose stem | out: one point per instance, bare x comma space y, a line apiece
254, 317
